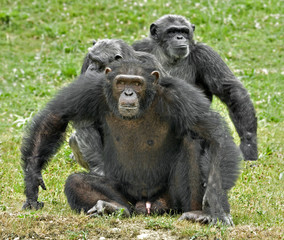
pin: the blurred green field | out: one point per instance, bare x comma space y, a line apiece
42, 46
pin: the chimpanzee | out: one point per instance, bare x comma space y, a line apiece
87, 141
114, 49
171, 41
149, 154
106, 51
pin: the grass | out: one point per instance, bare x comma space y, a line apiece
42, 47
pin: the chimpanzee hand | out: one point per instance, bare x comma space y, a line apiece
31, 204
33, 180
249, 146
212, 206
199, 216
212, 210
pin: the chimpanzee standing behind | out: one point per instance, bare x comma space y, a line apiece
171, 41
148, 151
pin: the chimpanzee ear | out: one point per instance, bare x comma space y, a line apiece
117, 57
157, 75
193, 27
107, 70
153, 31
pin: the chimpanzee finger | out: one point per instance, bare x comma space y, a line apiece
92, 211
41, 183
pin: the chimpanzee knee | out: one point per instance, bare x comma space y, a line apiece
75, 189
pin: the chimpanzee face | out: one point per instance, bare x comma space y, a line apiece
177, 41
129, 90
104, 52
174, 36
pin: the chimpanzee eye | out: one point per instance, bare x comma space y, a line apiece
171, 31
184, 32
101, 67
120, 85
137, 86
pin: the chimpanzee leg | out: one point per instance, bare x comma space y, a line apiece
186, 188
215, 205
84, 191
86, 144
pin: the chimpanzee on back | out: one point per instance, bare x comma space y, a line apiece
149, 156
171, 41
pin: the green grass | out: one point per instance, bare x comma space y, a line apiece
42, 45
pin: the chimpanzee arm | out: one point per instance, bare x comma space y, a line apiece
144, 45
217, 78
44, 137
189, 110
45, 134
223, 169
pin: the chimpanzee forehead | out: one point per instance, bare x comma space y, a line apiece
134, 71
129, 78
173, 20
176, 27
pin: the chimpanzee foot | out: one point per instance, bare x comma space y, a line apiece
103, 207
29, 204
229, 220
196, 216
199, 216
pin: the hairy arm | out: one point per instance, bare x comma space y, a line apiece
45, 133
216, 76
43, 138
144, 45
189, 111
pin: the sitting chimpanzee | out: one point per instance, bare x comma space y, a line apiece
87, 141
171, 41
149, 154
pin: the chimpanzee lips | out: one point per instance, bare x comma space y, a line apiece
126, 107
182, 46
128, 110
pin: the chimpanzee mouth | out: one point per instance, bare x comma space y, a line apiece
181, 47
128, 111
128, 107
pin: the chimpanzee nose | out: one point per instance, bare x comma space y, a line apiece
179, 37
128, 92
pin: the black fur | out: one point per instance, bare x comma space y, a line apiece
146, 156
106, 51
203, 67
87, 141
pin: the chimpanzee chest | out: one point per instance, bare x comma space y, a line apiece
139, 153
138, 141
